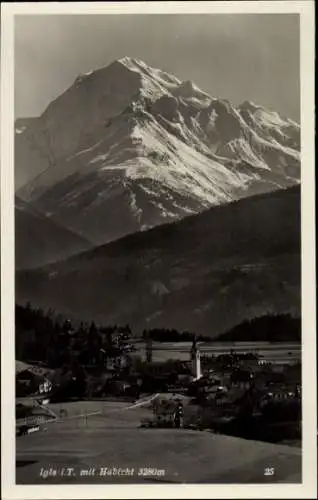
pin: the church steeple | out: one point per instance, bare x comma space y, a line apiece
193, 350
195, 361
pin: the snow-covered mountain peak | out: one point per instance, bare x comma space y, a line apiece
129, 146
189, 91
128, 60
249, 105
132, 63
271, 126
187, 87
138, 66
266, 117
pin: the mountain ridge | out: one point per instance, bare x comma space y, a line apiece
242, 257
39, 240
129, 147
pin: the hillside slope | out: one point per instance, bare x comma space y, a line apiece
39, 240
205, 273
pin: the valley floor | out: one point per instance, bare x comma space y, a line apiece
110, 436
278, 352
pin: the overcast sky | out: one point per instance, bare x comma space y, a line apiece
238, 57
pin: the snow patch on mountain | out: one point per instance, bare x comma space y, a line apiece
135, 209
20, 130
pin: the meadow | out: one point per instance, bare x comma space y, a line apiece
110, 436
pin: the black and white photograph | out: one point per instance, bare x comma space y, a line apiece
159, 167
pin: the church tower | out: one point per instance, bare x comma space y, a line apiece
195, 361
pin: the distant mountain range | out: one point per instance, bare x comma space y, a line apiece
205, 273
39, 240
129, 147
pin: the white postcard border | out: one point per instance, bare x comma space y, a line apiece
307, 489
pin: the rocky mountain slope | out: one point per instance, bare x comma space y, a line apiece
129, 147
39, 240
205, 273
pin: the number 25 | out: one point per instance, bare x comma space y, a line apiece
269, 471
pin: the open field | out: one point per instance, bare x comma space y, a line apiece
110, 436
274, 353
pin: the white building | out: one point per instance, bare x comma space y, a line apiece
196, 362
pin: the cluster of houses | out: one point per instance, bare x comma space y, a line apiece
237, 392
211, 376
227, 383
32, 379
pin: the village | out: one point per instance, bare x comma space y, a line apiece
236, 393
